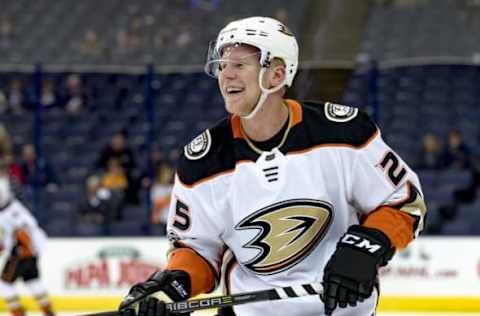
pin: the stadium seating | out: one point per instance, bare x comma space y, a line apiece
136, 34
415, 100
388, 32
72, 143
408, 96
407, 101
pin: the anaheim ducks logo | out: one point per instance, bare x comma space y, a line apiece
283, 29
289, 231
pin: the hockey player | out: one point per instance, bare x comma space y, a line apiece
21, 243
292, 193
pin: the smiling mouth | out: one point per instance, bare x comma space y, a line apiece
233, 91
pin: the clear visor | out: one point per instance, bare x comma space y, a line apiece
218, 59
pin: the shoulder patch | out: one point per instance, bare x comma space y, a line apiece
199, 146
340, 113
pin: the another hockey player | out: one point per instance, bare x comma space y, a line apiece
21, 243
291, 193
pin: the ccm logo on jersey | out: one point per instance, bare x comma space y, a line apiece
360, 242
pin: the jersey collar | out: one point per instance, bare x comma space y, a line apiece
296, 117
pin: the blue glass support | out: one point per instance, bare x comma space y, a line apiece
373, 90
150, 139
37, 136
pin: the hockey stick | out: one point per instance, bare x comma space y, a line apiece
236, 299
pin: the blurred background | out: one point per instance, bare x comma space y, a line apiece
100, 96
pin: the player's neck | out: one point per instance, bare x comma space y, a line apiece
267, 122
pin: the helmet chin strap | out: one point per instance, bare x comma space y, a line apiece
263, 96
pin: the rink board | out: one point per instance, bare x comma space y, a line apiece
433, 274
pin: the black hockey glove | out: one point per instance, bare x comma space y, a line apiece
350, 274
176, 286
225, 311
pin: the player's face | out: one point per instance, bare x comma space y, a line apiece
238, 78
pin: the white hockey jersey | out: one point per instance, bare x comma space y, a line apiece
13, 218
280, 213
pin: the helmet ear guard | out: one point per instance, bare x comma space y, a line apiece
267, 60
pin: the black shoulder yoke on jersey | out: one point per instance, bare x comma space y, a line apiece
216, 156
330, 123
216, 150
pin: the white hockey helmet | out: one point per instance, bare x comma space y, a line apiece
270, 36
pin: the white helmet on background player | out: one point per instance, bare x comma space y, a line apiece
273, 40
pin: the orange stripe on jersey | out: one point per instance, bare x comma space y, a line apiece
397, 225
236, 127
297, 112
25, 242
297, 116
212, 176
200, 271
302, 151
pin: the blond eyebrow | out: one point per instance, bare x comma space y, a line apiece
243, 57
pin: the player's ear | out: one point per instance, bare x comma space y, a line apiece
277, 73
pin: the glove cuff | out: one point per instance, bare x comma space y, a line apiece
175, 283
371, 241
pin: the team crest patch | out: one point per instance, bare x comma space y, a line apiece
340, 113
199, 146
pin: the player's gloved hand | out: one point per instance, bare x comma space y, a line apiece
225, 311
350, 274
173, 285
154, 307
